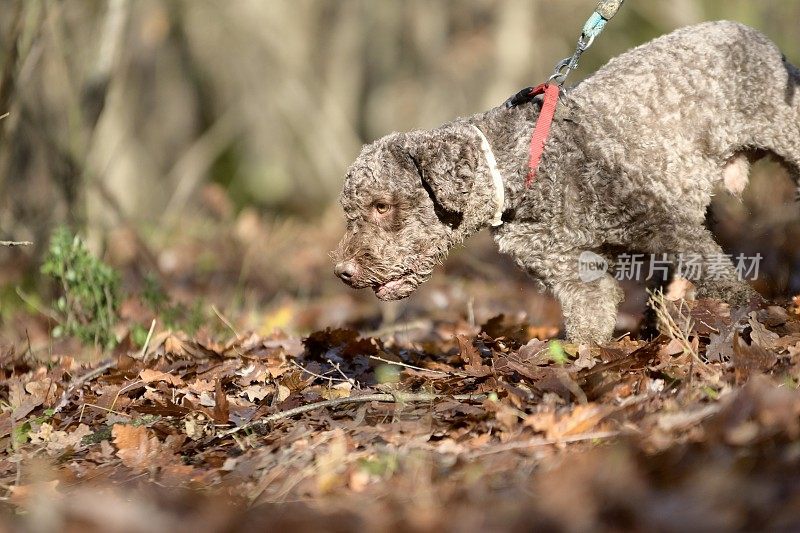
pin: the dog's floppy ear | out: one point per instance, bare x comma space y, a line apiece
446, 161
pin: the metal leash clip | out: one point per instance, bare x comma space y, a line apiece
605, 11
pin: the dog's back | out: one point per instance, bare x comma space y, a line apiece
679, 114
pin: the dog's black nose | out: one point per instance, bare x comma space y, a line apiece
346, 270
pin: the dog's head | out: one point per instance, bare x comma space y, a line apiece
409, 198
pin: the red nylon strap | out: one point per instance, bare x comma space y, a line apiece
542, 129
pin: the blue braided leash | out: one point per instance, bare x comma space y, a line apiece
594, 26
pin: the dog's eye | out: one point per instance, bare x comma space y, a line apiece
382, 208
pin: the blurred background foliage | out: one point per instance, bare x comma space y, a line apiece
157, 126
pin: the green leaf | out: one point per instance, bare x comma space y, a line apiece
710, 393
557, 353
139, 335
20, 434
387, 374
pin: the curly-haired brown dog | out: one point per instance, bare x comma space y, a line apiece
633, 158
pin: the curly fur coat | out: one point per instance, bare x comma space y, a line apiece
634, 156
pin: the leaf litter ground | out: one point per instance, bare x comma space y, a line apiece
454, 427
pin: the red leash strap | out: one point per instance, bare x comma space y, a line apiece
542, 130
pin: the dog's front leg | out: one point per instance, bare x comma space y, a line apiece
589, 308
588, 299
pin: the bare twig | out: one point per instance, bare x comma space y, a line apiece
406, 365
126, 388
36, 307
396, 328
399, 397
338, 368
320, 376
678, 332
12, 244
30, 348
106, 409
4, 115
225, 321
147, 340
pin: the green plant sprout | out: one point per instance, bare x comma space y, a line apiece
90, 290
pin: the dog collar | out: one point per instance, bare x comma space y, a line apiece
497, 179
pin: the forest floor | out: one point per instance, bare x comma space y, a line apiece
458, 411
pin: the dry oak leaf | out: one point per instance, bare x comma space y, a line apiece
469, 354
137, 449
173, 345
765, 338
750, 358
534, 353
44, 388
585, 358
24, 397
257, 392
202, 385
794, 351
507, 416
339, 390
254, 372
581, 419
56, 441
149, 376
709, 316
6, 424
283, 393
197, 426
221, 411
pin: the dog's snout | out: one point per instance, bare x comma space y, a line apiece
346, 270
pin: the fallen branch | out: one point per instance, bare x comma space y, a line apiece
11, 244
533, 443
399, 397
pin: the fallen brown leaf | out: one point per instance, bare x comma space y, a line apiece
149, 376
